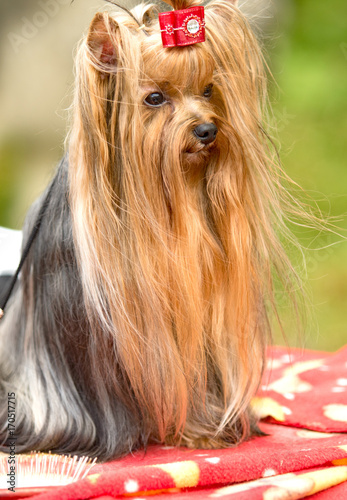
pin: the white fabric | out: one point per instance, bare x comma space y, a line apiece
10, 250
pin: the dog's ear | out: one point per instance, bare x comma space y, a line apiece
150, 15
102, 40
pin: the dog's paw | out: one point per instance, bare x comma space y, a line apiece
204, 443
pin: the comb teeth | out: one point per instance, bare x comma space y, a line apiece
45, 469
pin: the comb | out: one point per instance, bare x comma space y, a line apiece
37, 472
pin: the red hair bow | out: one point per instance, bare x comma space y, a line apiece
182, 27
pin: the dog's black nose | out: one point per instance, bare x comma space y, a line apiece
206, 132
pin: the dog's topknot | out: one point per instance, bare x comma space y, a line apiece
185, 4
182, 4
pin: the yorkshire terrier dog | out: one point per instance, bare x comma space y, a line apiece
141, 314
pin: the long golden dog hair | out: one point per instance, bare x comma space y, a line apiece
177, 246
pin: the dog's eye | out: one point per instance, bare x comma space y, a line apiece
208, 91
155, 99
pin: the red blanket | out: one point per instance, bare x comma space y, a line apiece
304, 392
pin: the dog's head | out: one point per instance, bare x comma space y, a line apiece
177, 109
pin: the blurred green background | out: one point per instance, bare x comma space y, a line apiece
309, 62
306, 46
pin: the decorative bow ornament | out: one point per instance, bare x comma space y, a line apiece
182, 27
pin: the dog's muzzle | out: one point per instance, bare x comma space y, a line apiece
206, 132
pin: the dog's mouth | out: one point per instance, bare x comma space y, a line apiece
200, 149
195, 160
